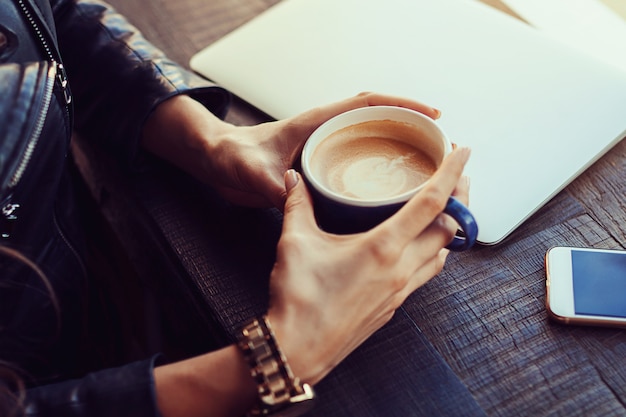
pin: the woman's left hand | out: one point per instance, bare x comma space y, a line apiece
245, 164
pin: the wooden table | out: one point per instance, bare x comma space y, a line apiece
484, 314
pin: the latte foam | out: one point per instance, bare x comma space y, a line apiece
367, 162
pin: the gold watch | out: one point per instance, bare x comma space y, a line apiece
280, 393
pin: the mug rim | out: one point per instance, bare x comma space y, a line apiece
355, 116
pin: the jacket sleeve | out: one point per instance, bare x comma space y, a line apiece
117, 77
127, 391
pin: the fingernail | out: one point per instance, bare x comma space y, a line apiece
291, 179
437, 113
467, 181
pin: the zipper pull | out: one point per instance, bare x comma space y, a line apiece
62, 79
7, 221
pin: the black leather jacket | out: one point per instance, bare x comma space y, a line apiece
64, 65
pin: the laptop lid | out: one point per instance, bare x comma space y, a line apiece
535, 112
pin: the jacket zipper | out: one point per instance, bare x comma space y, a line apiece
9, 209
38, 127
57, 72
35, 23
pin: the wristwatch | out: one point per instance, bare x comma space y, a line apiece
280, 393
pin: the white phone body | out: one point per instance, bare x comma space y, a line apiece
586, 286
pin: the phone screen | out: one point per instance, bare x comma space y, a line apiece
599, 283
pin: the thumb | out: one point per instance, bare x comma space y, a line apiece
298, 206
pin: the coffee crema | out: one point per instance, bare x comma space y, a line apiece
373, 160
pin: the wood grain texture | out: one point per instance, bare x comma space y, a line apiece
485, 313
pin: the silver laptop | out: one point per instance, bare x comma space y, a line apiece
535, 112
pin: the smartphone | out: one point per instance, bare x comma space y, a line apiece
586, 286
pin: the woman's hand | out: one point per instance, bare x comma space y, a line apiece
245, 164
331, 292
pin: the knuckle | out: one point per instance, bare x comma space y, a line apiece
386, 254
365, 97
384, 249
399, 284
291, 127
433, 200
293, 201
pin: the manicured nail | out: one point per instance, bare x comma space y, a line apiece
291, 179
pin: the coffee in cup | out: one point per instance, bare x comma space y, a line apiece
363, 165
371, 161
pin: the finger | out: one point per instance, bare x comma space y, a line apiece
420, 273
374, 99
425, 256
423, 208
275, 191
461, 192
295, 130
317, 116
298, 206
429, 243
427, 271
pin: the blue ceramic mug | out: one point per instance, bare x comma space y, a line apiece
363, 165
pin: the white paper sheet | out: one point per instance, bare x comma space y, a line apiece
589, 25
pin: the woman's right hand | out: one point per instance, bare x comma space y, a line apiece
329, 293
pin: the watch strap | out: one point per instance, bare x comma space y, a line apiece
278, 388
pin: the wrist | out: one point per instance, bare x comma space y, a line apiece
216, 383
308, 356
185, 133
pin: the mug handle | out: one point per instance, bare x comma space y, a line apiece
466, 221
